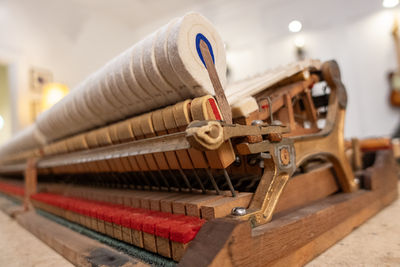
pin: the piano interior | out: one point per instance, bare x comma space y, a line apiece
157, 181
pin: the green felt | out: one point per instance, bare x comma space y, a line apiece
141, 254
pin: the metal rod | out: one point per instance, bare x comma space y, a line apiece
213, 181
228, 180
175, 180
186, 180
198, 179
139, 182
147, 181
164, 180
155, 180
270, 109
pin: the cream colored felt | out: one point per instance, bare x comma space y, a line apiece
136, 102
160, 97
124, 95
244, 107
126, 67
88, 97
23, 141
83, 108
184, 56
163, 62
152, 71
111, 93
108, 110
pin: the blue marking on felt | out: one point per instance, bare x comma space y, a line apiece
200, 37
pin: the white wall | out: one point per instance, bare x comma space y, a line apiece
77, 40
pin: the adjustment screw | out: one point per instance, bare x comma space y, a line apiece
257, 122
238, 211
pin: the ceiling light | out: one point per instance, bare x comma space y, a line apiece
390, 3
1, 122
295, 26
299, 42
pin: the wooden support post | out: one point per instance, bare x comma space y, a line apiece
30, 181
310, 109
357, 161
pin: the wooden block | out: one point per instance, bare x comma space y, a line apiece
101, 226
88, 222
117, 231
149, 241
171, 127
178, 249
166, 203
179, 205
164, 247
193, 207
126, 235
145, 199
109, 228
94, 222
223, 207
155, 202
160, 130
137, 238
146, 122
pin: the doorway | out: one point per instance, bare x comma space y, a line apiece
5, 106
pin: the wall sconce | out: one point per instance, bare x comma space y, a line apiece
52, 93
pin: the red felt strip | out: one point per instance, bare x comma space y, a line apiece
215, 109
179, 228
12, 189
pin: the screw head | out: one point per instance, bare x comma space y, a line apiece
238, 161
276, 123
357, 181
238, 211
257, 122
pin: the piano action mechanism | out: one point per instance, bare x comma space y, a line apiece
208, 173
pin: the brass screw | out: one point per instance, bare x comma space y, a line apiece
285, 156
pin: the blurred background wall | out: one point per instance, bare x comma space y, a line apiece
74, 38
